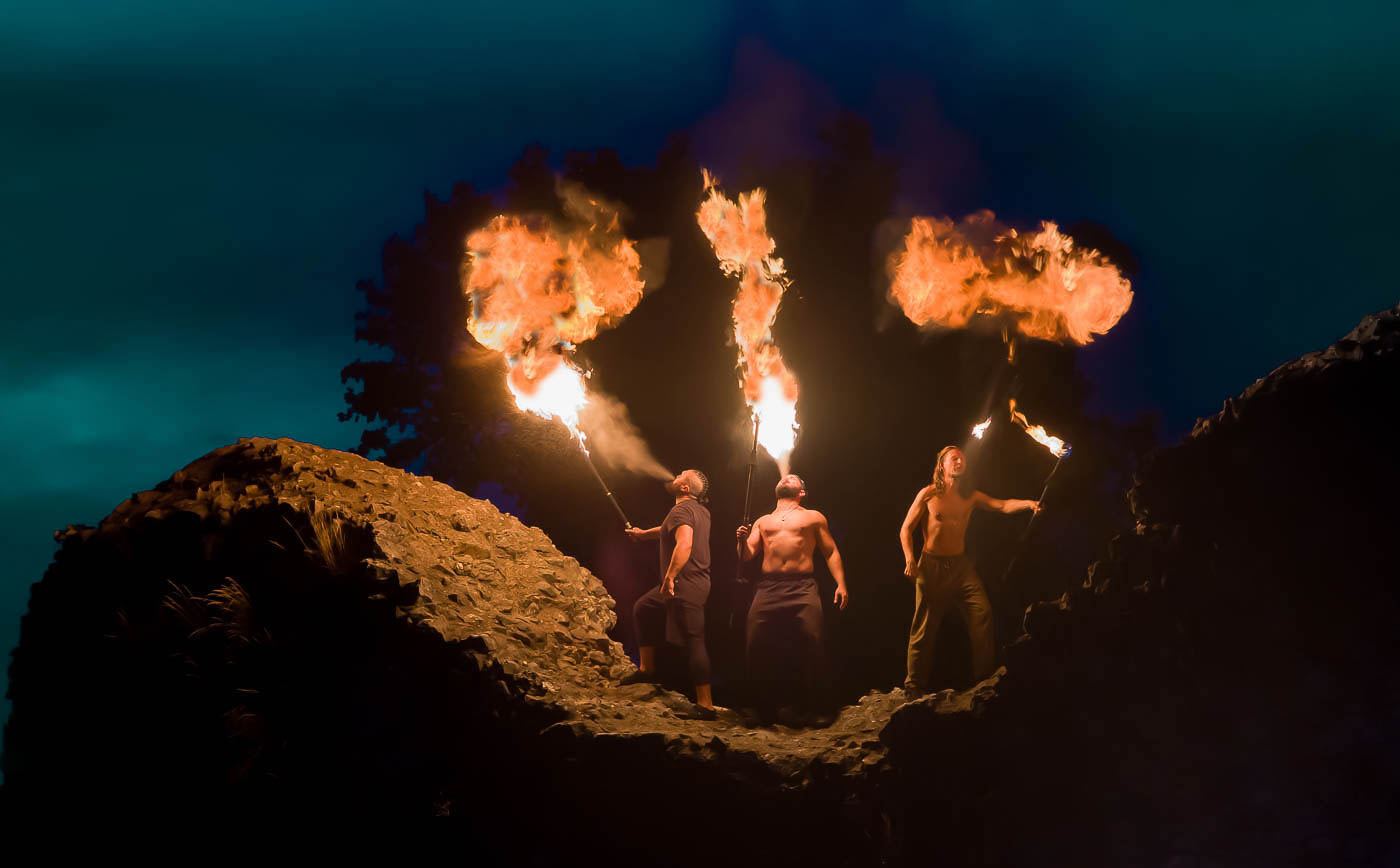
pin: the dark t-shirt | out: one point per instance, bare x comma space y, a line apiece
693, 581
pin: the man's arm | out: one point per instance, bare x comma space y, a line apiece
1005, 507
826, 544
685, 536
906, 531
752, 540
636, 534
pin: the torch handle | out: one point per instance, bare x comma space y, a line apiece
598, 476
1026, 534
748, 503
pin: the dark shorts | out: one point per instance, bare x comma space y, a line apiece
677, 621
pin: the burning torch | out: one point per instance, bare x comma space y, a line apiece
1054, 445
559, 394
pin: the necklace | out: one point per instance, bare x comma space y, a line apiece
784, 514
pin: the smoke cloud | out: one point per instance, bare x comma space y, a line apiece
615, 440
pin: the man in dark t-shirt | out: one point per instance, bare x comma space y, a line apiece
674, 611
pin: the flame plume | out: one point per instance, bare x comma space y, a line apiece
948, 273
738, 231
538, 289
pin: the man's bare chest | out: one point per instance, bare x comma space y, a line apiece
949, 509
788, 531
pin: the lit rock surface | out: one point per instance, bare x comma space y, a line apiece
208, 556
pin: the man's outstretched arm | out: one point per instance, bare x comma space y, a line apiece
1006, 507
906, 530
637, 534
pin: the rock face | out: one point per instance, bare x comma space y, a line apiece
282, 628
279, 624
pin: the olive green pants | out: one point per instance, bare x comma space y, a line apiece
942, 582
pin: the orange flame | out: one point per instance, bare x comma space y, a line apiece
1055, 445
948, 273
738, 231
538, 289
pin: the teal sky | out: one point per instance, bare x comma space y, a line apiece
191, 190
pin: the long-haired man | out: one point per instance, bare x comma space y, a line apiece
943, 575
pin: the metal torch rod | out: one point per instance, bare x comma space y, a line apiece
748, 501
738, 599
613, 500
1026, 534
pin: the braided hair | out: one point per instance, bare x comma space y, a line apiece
703, 495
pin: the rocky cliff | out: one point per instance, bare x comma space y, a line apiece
282, 628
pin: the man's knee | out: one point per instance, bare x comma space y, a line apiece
979, 613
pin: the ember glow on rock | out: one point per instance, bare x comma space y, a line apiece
945, 274
539, 288
738, 232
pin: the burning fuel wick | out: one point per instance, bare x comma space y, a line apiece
1053, 444
613, 500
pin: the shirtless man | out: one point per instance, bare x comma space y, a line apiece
943, 575
787, 610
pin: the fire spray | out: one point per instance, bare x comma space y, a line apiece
738, 232
538, 287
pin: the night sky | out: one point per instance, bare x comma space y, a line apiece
191, 194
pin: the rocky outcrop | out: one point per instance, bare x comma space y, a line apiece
282, 627
279, 621
1218, 689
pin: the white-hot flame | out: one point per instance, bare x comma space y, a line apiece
777, 419
559, 394
981, 428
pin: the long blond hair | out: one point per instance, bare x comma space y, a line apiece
940, 483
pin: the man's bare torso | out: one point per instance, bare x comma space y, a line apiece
945, 522
789, 540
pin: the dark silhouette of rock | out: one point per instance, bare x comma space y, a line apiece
280, 628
